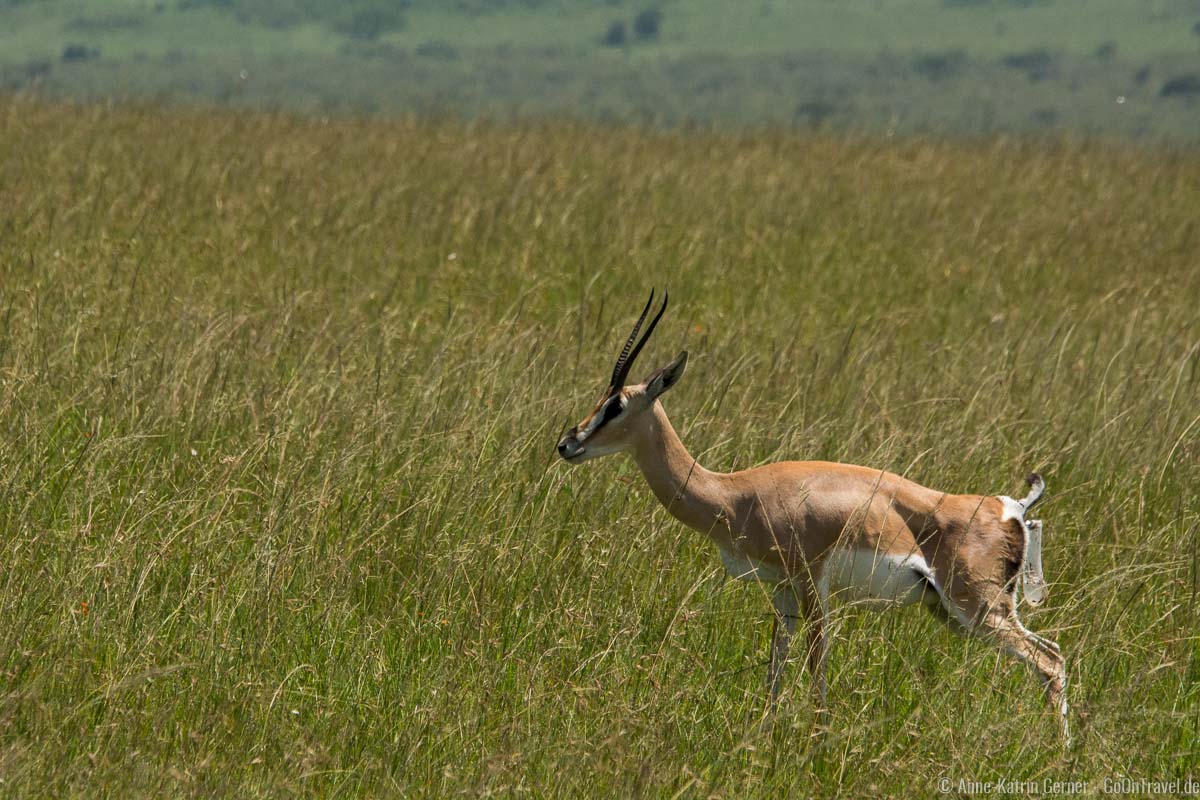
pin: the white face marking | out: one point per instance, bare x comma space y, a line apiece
598, 418
590, 450
592, 425
871, 576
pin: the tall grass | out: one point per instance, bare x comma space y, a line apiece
280, 511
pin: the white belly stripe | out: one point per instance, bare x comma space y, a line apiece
868, 575
741, 568
855, 574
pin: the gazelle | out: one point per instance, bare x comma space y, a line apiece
812, 529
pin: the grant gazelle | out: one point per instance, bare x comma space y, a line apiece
813, 530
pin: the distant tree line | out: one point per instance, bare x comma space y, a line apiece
359, 19
646, 27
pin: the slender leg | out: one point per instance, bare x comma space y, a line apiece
786, 608
1046, 658
815, 604
997, 620
1042, 640
1042, 655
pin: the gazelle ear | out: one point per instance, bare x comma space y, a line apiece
666, 377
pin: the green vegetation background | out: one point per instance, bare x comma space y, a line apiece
1108, 68
280, 511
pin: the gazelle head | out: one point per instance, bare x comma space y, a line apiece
617, 418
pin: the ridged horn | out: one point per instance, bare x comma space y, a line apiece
628, 356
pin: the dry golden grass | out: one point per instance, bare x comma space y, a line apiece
278, 401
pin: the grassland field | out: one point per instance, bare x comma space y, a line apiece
280, 512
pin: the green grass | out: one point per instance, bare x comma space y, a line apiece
278, 402
920, 66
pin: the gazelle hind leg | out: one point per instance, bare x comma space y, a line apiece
1042, 655
1056, 686
1043, 641
1000, 623
942, 607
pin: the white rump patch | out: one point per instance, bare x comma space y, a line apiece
1032, 578
1033, 582
880, 577
1012, 509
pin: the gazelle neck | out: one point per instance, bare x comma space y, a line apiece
692, 494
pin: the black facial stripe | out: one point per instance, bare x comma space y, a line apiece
611, 410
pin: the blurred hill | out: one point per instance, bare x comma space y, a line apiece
1108, 68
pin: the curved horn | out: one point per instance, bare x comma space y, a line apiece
621, 371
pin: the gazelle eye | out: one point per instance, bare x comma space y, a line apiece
614, 407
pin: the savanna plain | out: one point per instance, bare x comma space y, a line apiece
280, 511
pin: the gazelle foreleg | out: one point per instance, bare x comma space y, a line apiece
814, 602
787, 608
793, 601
